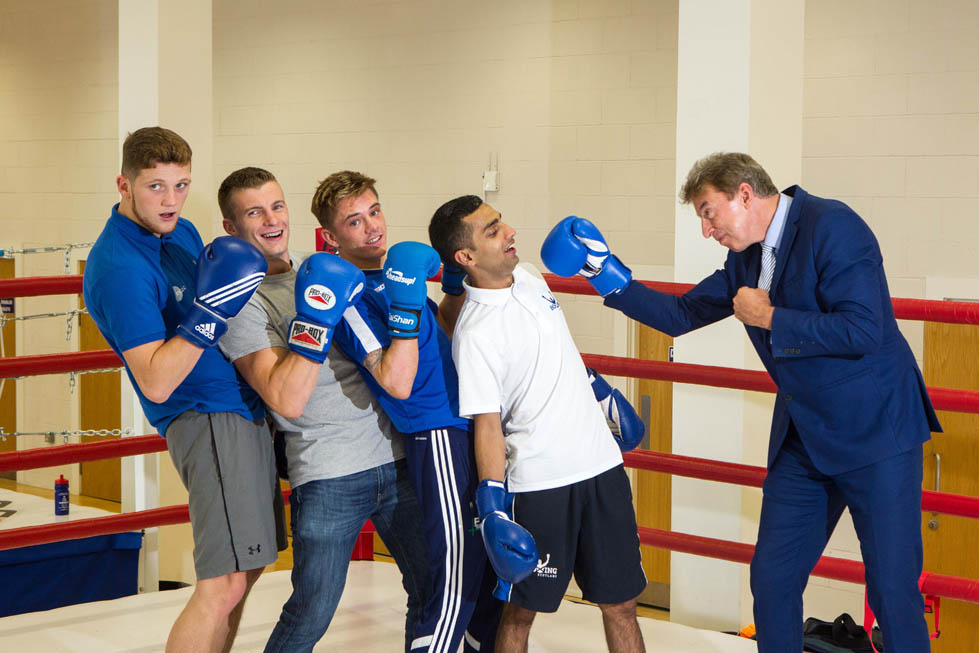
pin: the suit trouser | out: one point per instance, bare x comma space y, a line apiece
800, 509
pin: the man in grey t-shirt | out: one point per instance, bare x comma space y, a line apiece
345, 460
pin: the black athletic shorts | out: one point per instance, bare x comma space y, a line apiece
586, 528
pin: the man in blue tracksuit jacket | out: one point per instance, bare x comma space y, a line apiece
398, 339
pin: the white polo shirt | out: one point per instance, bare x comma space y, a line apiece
514, 354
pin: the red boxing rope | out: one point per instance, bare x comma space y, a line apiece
15, 538
927, 310
75, 453
963, 401
68, 284
904, 309
58, 363
751, 476
708, 470
851, 571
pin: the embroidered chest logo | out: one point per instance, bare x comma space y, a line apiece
178, 293
551, 302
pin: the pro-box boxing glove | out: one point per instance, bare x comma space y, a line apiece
325, 286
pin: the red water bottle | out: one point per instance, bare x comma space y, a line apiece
61, 495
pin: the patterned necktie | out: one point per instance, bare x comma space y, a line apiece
767, 266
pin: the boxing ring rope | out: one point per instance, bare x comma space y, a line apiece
963, 401
927, 310
850, 571
67, 454
67, 284
835, 568
904, 309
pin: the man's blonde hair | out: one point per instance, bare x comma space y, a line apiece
336, 188
725, 171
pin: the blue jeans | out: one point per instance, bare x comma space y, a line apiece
327, 516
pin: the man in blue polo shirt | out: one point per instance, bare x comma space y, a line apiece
162, 299
398, 340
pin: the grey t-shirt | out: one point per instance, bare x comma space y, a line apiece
343, 429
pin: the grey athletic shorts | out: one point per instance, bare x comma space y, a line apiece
226, 464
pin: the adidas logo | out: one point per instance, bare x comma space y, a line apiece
207, 330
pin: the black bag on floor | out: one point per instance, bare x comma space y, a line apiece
842, 635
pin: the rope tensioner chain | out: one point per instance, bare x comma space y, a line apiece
68, 315
66, 434
72, 375
50, 248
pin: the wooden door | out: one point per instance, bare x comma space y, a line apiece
653, 489
8, 398
952, 361
99, 398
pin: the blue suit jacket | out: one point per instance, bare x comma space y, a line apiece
846, 376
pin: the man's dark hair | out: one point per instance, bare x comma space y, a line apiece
237, 180
447, 232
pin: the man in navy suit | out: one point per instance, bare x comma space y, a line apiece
805, 275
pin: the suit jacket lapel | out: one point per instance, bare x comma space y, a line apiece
788, 234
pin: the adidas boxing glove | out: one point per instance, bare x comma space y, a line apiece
228, 272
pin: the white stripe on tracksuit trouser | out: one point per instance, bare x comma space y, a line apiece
442, 469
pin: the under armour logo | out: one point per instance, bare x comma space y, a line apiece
252, 550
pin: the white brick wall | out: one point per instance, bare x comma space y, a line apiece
575, 100
57, 165
891, 126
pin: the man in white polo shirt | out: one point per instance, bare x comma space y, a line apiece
537, 425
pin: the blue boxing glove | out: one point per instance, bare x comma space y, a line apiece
452, 280
623, 421
228, 272
576, 246
509, 546
325, 286
406, 270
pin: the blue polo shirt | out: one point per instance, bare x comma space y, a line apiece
434, 400
137, 288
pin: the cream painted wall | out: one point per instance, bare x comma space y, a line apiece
57, 161
891, 126
573, 101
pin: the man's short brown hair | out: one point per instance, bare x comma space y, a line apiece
725, 171
149, 146
242, 178
336, 188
